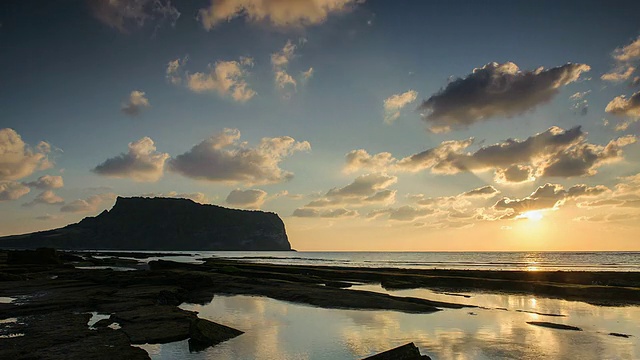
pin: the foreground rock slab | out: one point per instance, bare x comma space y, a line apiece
405, 352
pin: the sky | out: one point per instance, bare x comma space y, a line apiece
367, 125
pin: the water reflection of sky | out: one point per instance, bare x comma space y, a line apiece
281, 330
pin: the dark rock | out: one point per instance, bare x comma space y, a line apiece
205, 333
155, 324
41, 256
554, 325
405, 352
620, 335
163, 224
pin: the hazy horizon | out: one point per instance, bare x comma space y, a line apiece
366, 125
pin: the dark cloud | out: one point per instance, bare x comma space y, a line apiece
545, 197
495, 90
89, 205
552, 153
11, 190
47, 197
222, 158
514, 174
126, 14
251, 198
485, 191
364, 190
141, 163
47, 182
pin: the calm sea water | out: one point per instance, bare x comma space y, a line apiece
497, 330
569, 261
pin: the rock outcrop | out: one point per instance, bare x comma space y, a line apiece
163, 224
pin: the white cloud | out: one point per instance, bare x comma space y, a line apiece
279, 13
46, 197
227, 78
19, 160
141, 163
403, 213
329, 213
495, 90
625, 107
123, 14
89, 205
47, 182
136, 103
627, 60
11, 190
222, 158
251, 198
394, 103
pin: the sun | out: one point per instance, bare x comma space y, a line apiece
531, 215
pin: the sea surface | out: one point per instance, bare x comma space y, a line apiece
497, 329
531, 261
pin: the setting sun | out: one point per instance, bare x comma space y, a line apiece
532, 215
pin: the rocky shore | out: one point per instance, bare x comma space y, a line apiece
47, 300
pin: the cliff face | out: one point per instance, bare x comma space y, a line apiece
163, 224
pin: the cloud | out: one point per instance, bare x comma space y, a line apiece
403, 213
17, 159
625, 107
46, 197
48, 217
306, 75
331, 213
222, 158
227, 78
514, 174
252, 198
579, 95
495, 90
546, 197
552, 153
124, 14
175, 70
11, 190
141, 163
486, 191
280, 61
195, 196
47, 182
279, 13
364, 190
394, 103
627, 60
135, 104
88, 205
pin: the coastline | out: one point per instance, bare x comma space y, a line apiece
54, 295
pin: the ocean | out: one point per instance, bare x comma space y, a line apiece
529, 261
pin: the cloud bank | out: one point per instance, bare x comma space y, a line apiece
223, 158
495, 90
279, 13
141, 163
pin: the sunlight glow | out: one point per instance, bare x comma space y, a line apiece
532, 215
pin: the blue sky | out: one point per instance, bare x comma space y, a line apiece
304, 83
